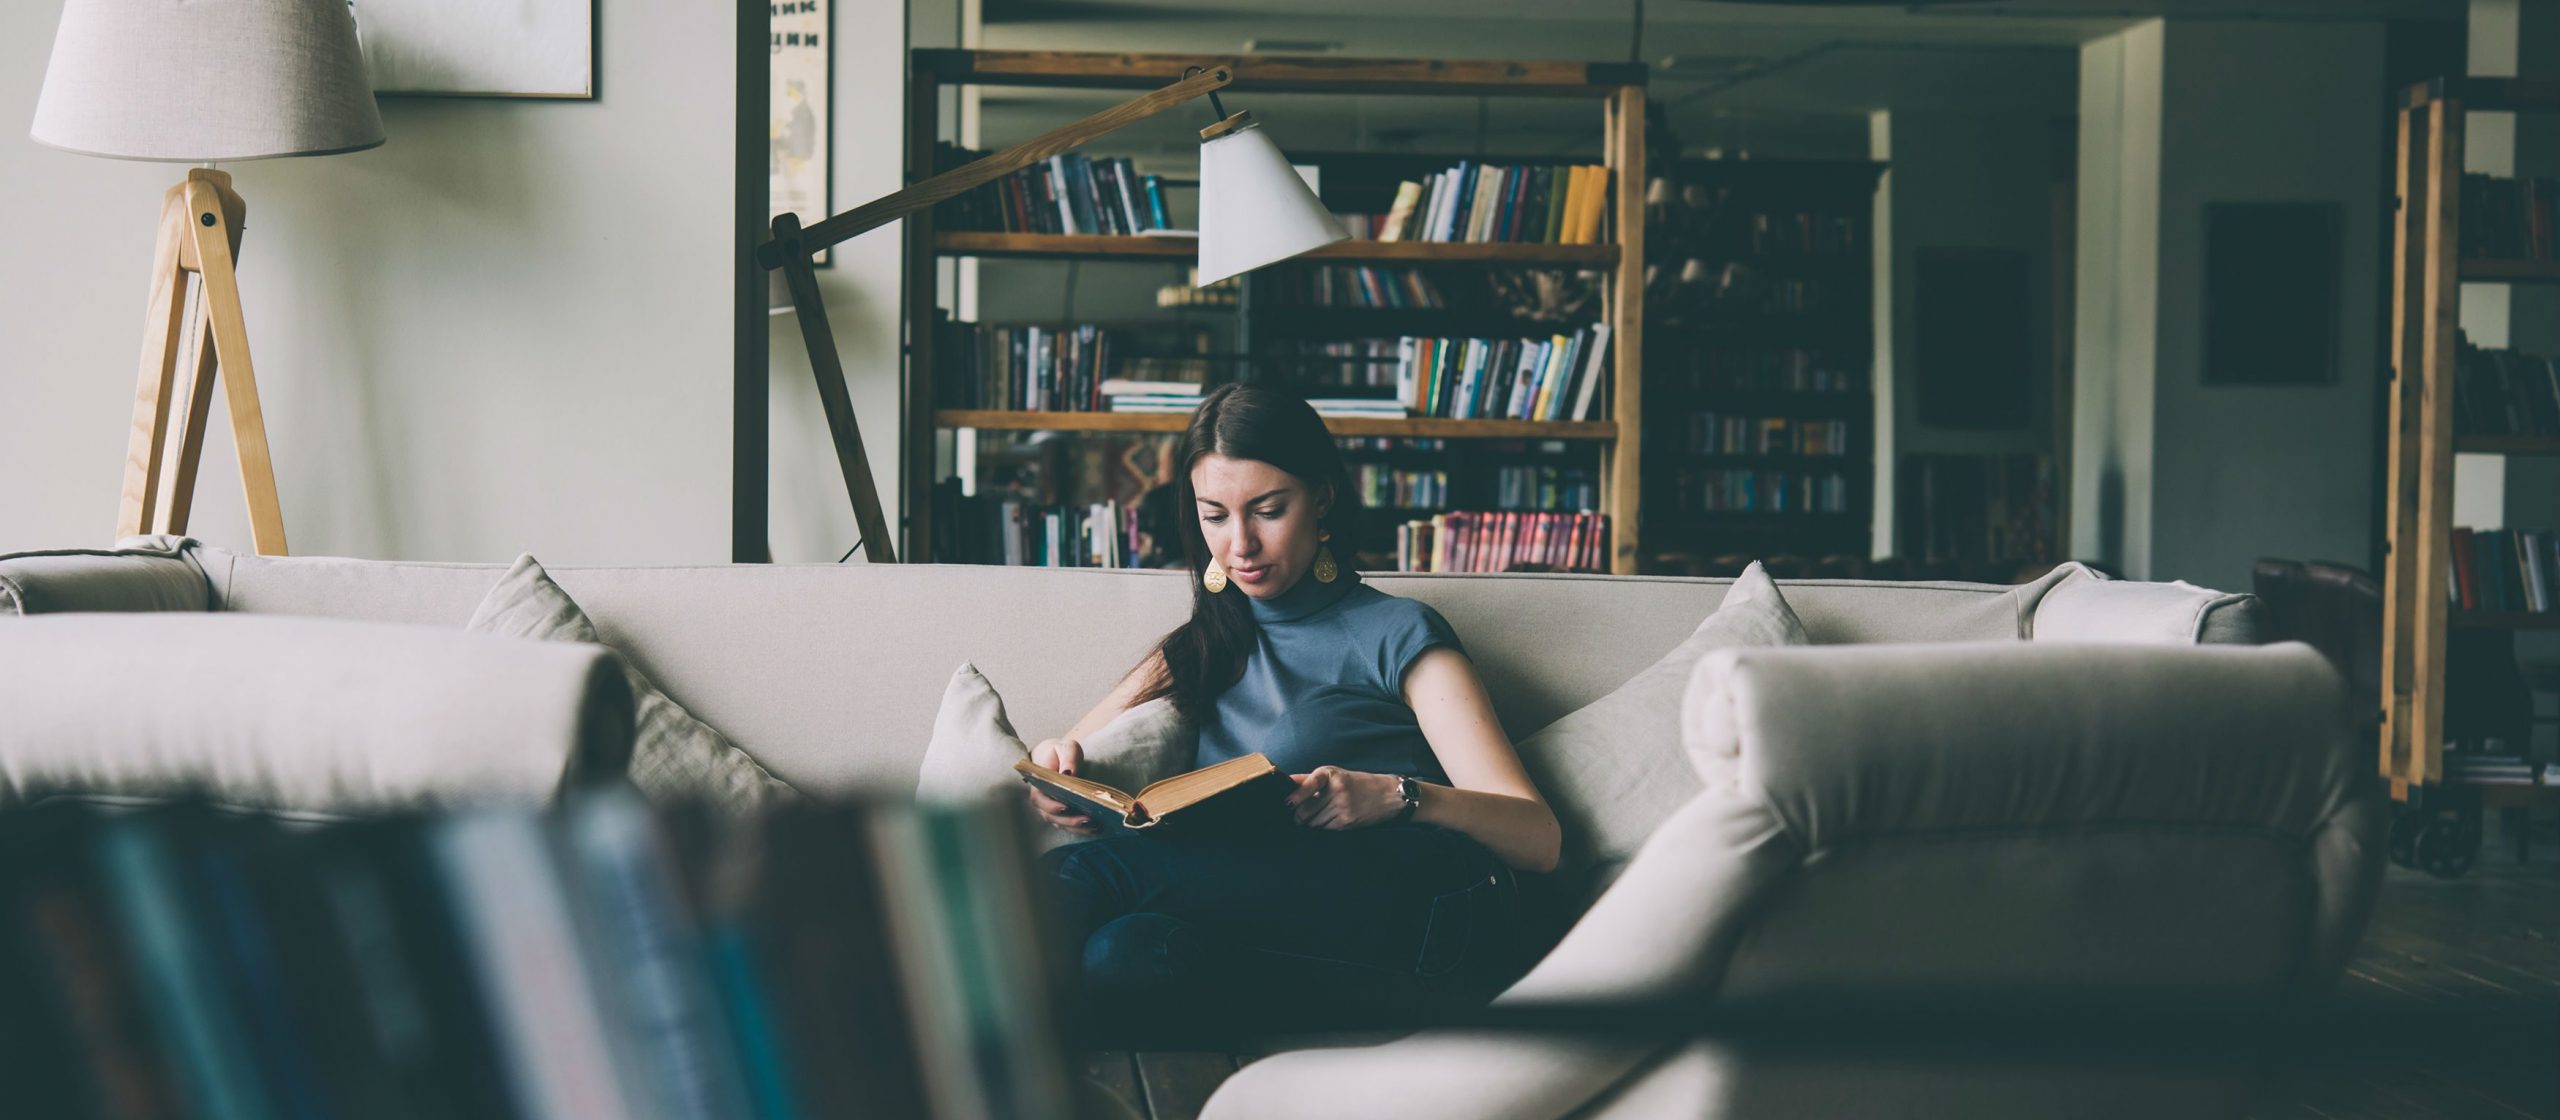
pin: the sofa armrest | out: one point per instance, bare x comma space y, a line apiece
138, 574
301, 715
1847, 744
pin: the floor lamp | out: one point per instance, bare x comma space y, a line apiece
1254, 210
202, 82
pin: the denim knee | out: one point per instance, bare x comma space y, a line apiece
1143, 953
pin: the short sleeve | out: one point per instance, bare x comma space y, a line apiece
1413, 630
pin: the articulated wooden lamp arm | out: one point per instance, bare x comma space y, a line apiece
793, 247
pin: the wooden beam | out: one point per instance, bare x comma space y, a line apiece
1626, 318
2432, 569
2399, 573
1284, 73
828, 368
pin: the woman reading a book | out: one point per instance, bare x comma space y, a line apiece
1391, 880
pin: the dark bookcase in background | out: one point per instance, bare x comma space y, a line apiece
1758, 397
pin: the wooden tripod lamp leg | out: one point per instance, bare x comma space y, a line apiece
162, 321
215, 213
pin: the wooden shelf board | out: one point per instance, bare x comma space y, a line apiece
2510, 94
2507, 445
1412, 427
1280, 73
2511, 270
1096, 246
2503, 620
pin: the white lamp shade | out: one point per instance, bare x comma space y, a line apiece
1254, 209
200, 81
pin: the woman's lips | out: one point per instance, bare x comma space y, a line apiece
1250, 575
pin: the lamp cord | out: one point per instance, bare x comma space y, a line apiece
848, 553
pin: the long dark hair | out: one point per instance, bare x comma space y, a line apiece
1205, 656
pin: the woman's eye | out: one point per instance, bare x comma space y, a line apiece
1213, 518
1273, 514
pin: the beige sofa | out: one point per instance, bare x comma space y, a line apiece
2075, 784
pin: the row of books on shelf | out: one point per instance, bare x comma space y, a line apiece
1804, 233
1384, 487
1504, 541
2508, 571
1783, 369
1356, 285
1976, 509
2509, 218
1060, 369
1555, 205
1714, 433
1753, 490
2505, 393
1020, 532
1552, 378
1546, 488
2469, 768
599, 958
1068, 193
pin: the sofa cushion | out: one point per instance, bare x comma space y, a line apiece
138, 574
293, 715
974, 748
2098, 609
675, 755
1613, 770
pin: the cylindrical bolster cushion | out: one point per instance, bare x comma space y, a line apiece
138, 574
1848, 742
301, 714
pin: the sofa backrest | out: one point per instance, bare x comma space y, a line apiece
830, 674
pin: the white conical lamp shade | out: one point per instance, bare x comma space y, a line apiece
201, 81
1254, 209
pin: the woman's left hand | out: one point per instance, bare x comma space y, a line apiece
1332, 797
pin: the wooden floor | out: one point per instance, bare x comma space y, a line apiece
2489, 939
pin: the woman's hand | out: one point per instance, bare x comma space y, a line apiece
1332, 797
1063, 756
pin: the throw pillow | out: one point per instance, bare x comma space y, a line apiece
974, 748
1614, 769
673, 755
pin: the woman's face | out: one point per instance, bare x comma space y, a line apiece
1259, 520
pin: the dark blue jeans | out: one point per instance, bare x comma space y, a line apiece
1199, 941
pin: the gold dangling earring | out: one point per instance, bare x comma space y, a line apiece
1214, 577
1325, 570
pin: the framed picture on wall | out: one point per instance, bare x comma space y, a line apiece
2270, 293
479, 48
803, 73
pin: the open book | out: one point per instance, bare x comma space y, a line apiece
1240, 792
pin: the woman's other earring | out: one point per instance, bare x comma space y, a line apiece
1325, 571
1214, 577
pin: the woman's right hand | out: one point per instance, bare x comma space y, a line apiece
1064, 756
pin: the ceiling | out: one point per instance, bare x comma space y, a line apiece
1771, 80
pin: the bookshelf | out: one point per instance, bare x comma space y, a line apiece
1612, 436
1760, 305
2429, 266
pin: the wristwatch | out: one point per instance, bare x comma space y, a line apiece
1411, 791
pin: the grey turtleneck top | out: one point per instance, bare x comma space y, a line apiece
1324, 684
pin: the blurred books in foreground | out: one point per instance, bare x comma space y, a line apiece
600, 959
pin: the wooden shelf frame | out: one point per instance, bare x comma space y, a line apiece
1418, 427
2426, 309
1089, 246
1620, 88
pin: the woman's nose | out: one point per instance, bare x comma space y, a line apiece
1247, 541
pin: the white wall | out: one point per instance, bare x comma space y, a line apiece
2199, 113
508, 329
